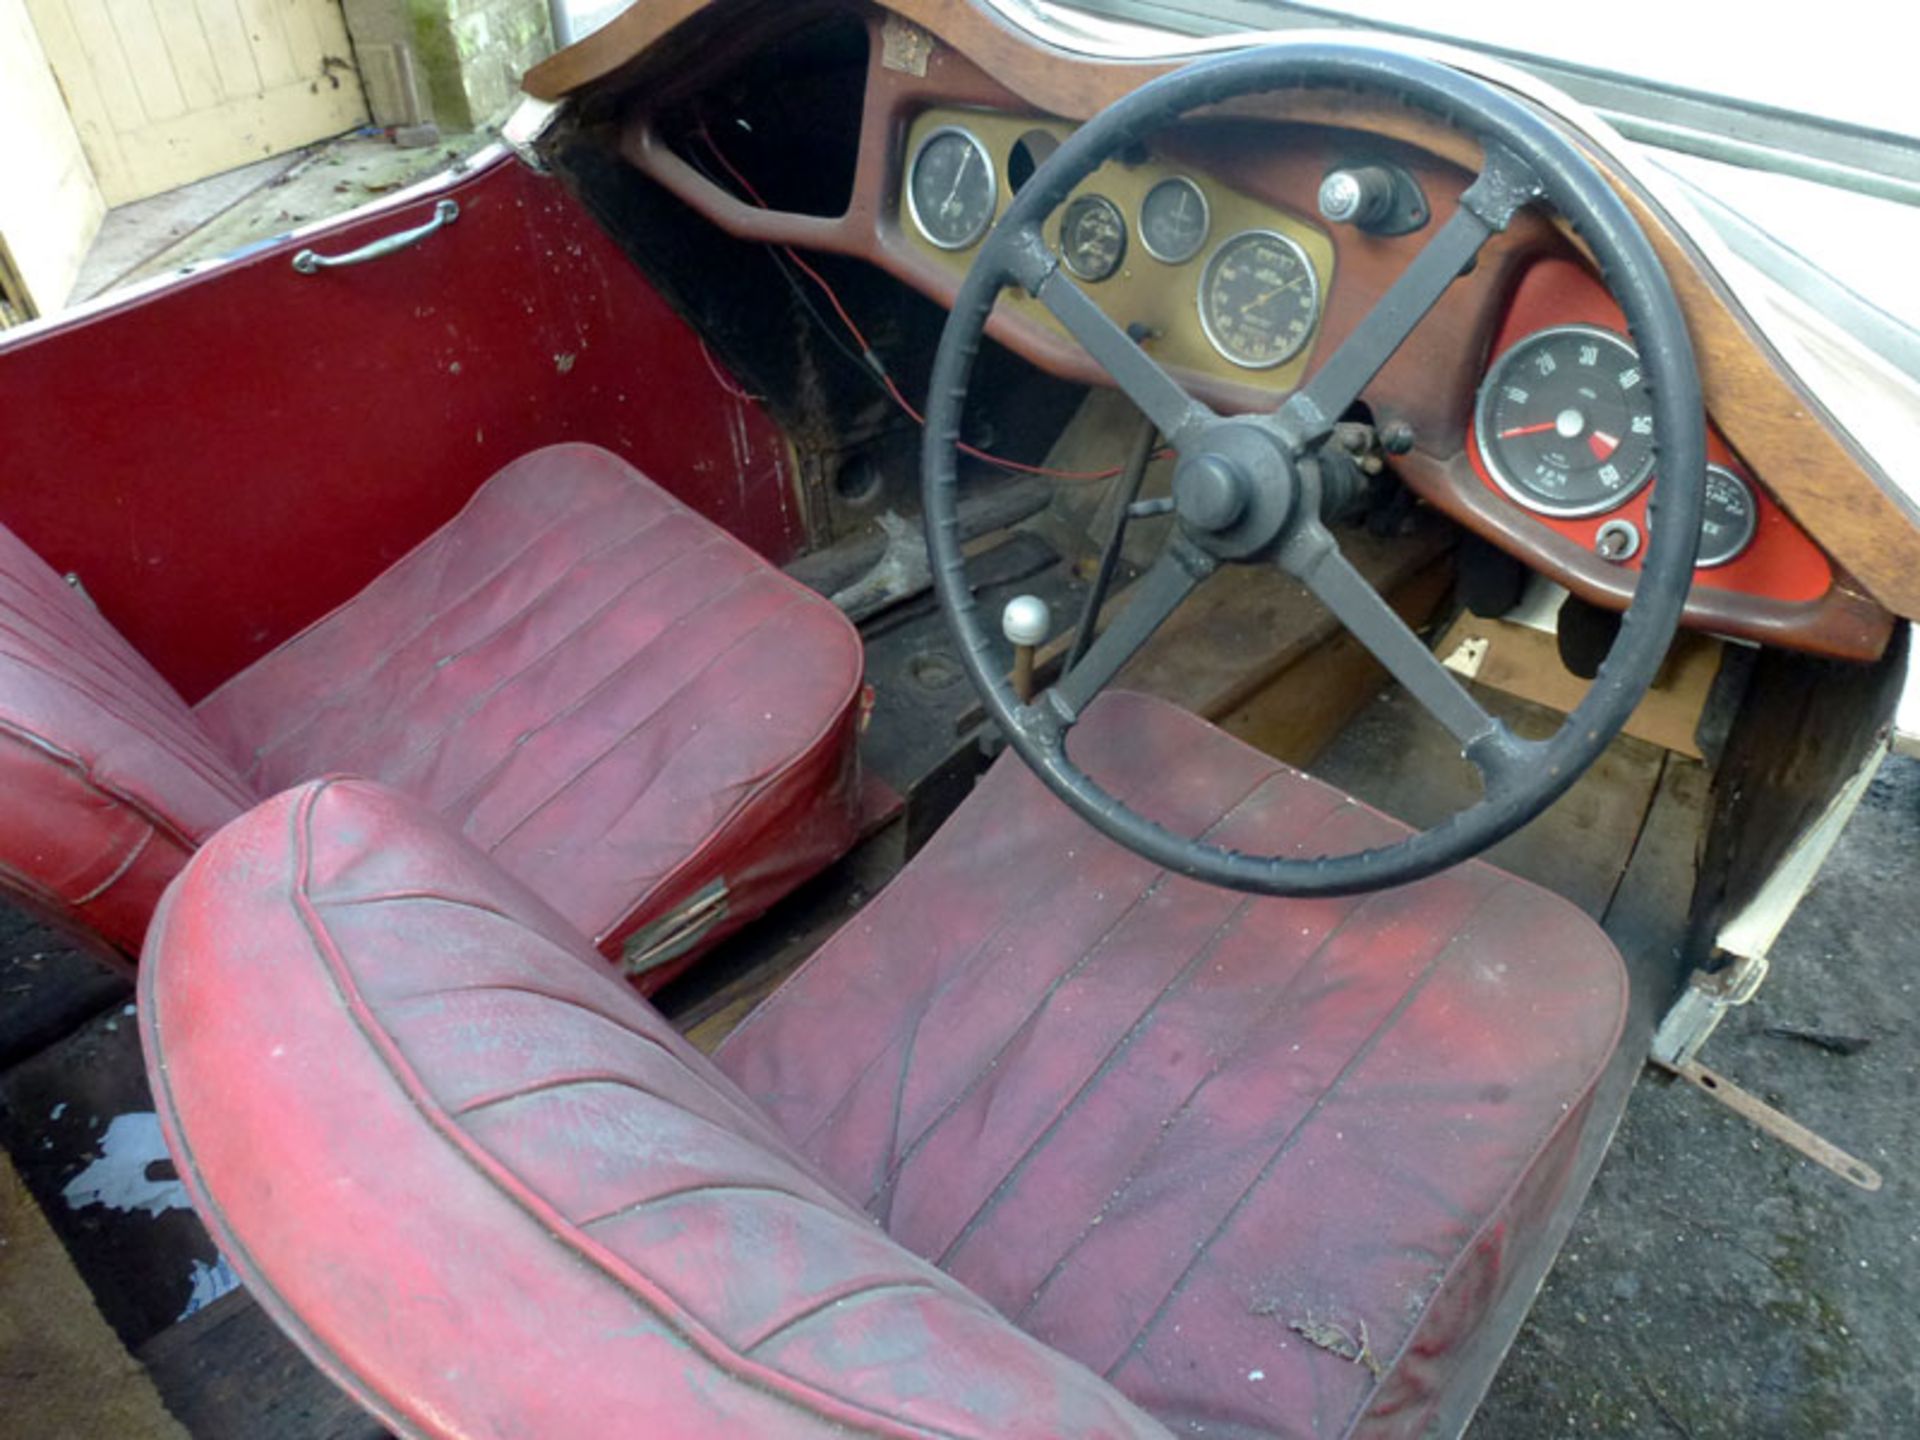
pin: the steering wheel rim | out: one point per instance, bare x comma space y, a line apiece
1524, 159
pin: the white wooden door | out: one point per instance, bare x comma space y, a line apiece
165, 92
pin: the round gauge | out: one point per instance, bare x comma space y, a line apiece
1565, 423
1259, 299
951, 190
1093, 237
1728, 519
1174, 220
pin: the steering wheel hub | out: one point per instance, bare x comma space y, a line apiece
1237, 490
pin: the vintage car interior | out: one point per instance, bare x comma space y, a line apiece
934, 735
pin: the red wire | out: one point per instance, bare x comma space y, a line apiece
873, 358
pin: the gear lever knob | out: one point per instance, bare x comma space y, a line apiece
1025, 622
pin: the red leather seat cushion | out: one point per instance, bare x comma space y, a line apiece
106, 782
615, 699
493, 1194
1168, 1129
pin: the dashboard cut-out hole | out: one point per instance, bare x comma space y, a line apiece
1029, 153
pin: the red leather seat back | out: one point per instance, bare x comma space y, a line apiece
492, 1193
107, 782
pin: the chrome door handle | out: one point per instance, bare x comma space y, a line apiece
310, 262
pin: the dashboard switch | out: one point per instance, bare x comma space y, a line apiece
1362, 196
1378, 197
1618, 541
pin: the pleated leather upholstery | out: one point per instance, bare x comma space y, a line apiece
614, 698
1178, 1133
106, 781
490, 1191
624, 705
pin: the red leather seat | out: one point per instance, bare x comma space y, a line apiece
625, 706
1175, 1136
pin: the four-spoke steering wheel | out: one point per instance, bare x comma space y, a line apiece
1248, 489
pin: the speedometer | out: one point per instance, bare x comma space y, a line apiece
1259, 299
1565, 421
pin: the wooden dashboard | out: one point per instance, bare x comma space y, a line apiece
938, 65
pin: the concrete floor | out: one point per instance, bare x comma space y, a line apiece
1717, 1286
231, 211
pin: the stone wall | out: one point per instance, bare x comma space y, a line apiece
452, 63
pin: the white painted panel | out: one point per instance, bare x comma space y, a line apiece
50, 206
165, 92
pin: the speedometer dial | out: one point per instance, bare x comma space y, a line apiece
1259, 299
951, 189
1565, 421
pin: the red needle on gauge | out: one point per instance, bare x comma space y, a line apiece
1519, 430
1602, 444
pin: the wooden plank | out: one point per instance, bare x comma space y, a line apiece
189, 147
140, 41
1398, 759
1299, 713
50, 204
65, 1372
226, 35
267, 38
49, 986
1247, 623
229, 1370
188, 54
1519, 660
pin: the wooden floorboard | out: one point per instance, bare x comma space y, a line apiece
1398, 759
49, 985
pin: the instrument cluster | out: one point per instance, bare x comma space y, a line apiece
1563, 427
1212, 279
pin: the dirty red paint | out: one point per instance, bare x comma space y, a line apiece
224, 461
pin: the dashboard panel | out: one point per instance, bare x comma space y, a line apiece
1202, 308
1778, 560
1259, 167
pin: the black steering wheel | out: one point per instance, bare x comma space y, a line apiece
1249, 490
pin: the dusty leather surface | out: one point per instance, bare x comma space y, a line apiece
1194, 1140
490, 1190
106, 781
627, 707
605, 691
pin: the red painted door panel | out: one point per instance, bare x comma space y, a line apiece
227, 458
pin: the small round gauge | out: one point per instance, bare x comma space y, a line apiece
1093, 237
1174, 220
1259, 299
1565, 422
951, 189
1729, 518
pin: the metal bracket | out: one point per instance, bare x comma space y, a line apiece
1702, 1006
1782, 1127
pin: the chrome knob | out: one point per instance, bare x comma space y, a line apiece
1026, 620
1361, 196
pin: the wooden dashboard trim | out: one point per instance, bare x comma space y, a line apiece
1808, 463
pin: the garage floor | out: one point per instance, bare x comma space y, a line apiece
1717, 1285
